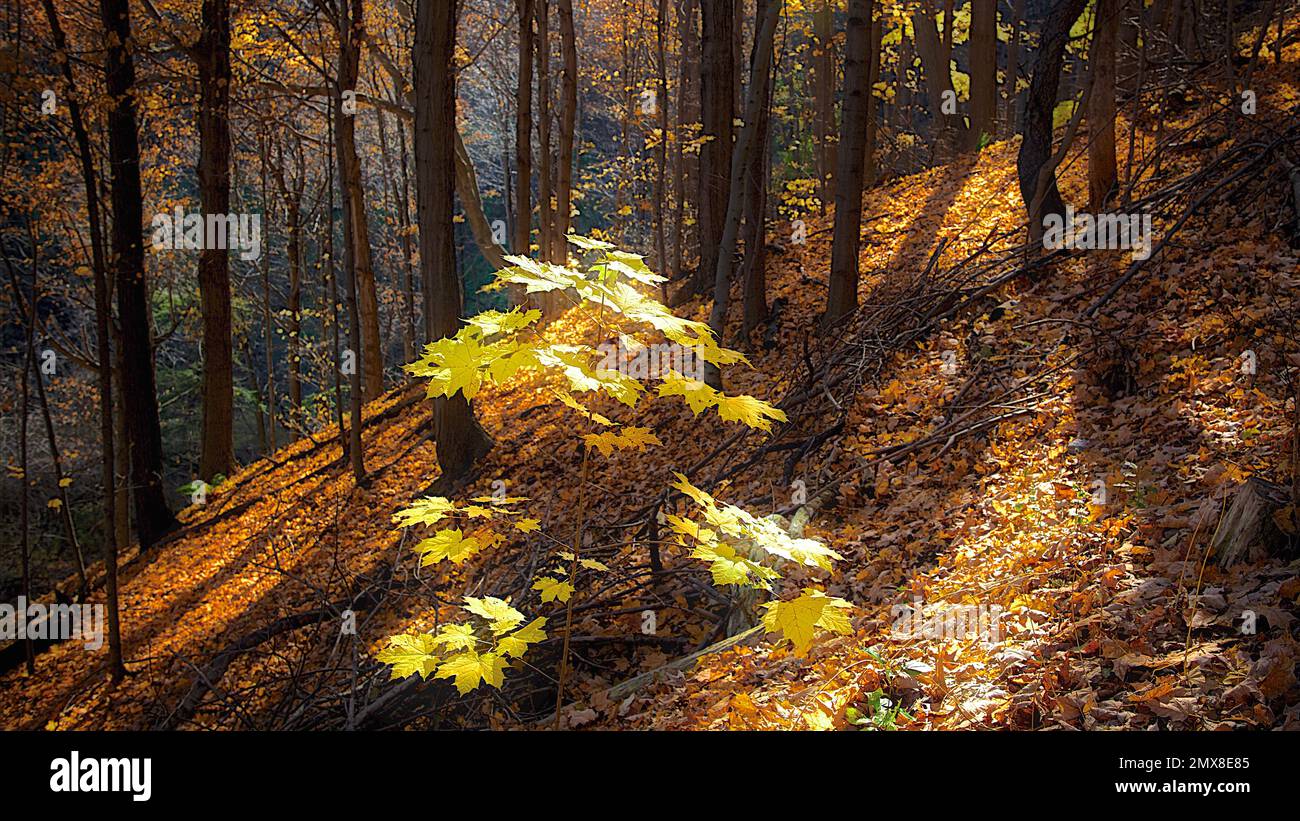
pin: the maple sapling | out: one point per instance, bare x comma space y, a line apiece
743, 551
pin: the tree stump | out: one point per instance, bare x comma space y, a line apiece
1260, 522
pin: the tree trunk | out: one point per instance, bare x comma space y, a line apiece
1102, 173
716, 90
268, 324
661, 150
292, 197
938, 77
361, 271
24, 469
1010, 86
568, 124
869, 152
460, 440
1036, 145
902, 92
122, 451
754, 269
408, 247
524, 131
760, 67
545, 177
212, 56
471, 206
984, 71
823, 83
1128, 48
948, 29
356, 242
153, 518
843, 295
397, 205
331, 274
685, 178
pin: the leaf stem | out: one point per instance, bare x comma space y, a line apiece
573, 571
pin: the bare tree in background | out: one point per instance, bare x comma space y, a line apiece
843, 295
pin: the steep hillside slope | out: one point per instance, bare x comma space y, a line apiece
972, 438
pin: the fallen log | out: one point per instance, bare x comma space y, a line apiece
621, 691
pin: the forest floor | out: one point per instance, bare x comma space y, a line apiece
1081, 506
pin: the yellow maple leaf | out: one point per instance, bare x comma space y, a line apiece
687, 527
751, 411
729, 567
630, 438
568, 400
515, 644
711, 352
408, 655
700, 497
429, 511
456, 637
502, 618
495, 322
835, 617
470, 668
798, 619
447, 544
553, 589
459, 359
638, 438
604, 442
574, 363
503, 500
698, 395
590, 564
